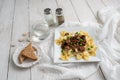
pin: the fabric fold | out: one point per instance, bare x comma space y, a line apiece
110, 18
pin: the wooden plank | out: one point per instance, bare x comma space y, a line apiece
69, 12
6, 16
36, 10
20, 26
107, 2
1, 4
95, 5
82, 10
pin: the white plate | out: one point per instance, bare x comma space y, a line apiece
57, 48
27, 63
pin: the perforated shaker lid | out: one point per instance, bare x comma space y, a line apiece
59, 11
47, 11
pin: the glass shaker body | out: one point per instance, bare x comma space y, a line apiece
59, 16
48, 16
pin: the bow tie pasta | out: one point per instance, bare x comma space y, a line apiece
76, 44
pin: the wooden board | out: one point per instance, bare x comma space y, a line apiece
95, 5
6, 16
82, 10
1, 4
20, 25
69, 12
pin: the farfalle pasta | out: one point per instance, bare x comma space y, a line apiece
76, 44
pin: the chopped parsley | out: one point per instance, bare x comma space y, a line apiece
77, 33
68, 37
72, 51
62, 50
77, 43
81, 40
88, 48
91, 46
80, 44
71, 43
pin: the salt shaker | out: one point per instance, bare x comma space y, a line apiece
48, 16
59, 16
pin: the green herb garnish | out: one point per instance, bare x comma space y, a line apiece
77, 43
71, 43
77, 33
81, 40
91, 46
72, 51
80, 44
88, 48
62, 50
68, 37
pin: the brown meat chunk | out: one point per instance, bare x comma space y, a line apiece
66, 34
81, 48
82, 37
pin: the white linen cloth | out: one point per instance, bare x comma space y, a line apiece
108, 33
110, 42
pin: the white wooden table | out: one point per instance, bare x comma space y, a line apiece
16, 17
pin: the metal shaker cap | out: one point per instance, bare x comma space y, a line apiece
59, 11
47, 11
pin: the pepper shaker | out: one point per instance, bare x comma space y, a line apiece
48, 16
59, 16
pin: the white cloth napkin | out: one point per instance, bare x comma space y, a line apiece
109, 37
108, 33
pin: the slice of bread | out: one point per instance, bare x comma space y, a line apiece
21, 58
28, 52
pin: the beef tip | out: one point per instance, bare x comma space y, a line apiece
67, 47
81, 48
72, 47
63, 45
75, 45
77, 41
78, 37
67, 41
73, 38
66, 34
82, 37
83, 43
